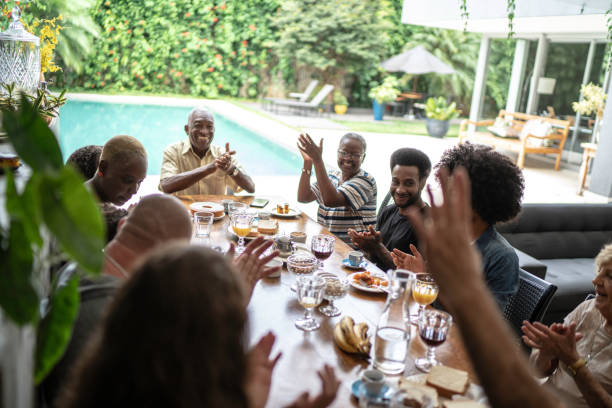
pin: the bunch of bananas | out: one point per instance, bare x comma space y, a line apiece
352, 338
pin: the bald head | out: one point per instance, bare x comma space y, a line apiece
155, 220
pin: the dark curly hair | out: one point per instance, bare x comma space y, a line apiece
497, 183
112, 216
85, 160
412, 157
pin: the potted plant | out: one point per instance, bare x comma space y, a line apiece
439, 114
383, 94
340, 103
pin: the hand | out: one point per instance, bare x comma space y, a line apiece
224, 162
309, 149
259, 371
556, 341
414, 263
445, 233
251, 265
367, 240
329, 389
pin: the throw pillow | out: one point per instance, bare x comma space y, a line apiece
536, 127
503, 128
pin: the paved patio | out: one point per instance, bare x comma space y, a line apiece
543, 184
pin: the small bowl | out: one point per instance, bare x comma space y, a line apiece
301, 263
298, 236
272, 263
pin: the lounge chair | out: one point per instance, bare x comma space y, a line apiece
301, 107
302, 97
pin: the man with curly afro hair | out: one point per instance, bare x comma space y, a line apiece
497, 191
85, 160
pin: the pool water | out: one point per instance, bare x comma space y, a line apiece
84, 123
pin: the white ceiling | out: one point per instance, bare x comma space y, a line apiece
558, 19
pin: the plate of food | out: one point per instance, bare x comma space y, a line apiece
267, 230
289, 213
215, 208
369, 282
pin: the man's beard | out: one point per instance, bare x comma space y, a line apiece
411, 201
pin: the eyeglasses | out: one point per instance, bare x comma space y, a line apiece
343, 153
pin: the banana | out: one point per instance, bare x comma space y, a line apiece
361, 331
341, 340
347, 324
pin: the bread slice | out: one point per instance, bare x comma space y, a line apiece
463, 404
416, 393
267, 227
448, 381
253, 233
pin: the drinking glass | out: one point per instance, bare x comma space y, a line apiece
202, 221
433, 328
335, 288
236, 206
241, 225
322, 246
310, 294
424, 292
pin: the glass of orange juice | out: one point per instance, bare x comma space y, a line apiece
241, 225
424, 292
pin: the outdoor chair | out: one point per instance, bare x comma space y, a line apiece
302, 97
301, 107
530, 301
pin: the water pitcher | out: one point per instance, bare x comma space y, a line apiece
392, 333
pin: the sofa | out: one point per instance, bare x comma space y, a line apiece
558, 243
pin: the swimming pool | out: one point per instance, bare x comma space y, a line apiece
84, 123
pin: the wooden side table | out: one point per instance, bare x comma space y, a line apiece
590, 150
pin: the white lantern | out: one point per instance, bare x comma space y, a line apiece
19, 56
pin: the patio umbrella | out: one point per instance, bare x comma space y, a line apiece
417, 61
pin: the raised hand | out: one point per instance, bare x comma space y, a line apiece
224, 162
367, 240
251, 264
558, 340
259, 371
414, 263
309, 148
329, 389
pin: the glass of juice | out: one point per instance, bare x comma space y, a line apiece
433, 327
241, 225
322, 246
424, 292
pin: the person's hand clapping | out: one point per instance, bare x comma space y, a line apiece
251, 264
329, 389
309, 149
259, 371
366, 240
224, 162
445, 233
557, 341
414, 263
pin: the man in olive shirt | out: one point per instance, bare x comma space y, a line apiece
195, 166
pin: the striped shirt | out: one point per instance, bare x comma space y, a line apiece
360, 193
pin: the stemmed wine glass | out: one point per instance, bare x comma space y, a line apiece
310, 294
322, 246
433, 327
335, 288
424, 292
241, 225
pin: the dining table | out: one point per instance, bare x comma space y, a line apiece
274, 308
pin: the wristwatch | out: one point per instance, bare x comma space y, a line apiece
575, 366
235, 171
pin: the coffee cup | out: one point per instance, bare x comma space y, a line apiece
373, 381
355, 258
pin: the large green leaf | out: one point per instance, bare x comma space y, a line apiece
18, 298
24, 207
30, 136
72, 215
55, 328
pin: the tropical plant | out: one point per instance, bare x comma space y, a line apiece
438, 109
593, 100
333, 38
53, 204
46, 104
340, 99
385, 92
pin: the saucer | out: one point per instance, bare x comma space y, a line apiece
347, 263
385, 393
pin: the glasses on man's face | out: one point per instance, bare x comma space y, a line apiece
343, 153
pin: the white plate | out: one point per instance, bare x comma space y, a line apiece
366, 288
233, 234
292, 213
206, 206
473, 393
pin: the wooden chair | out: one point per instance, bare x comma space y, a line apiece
590, 150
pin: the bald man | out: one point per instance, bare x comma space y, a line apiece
195, 166
156, 220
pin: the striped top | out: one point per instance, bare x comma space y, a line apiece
360, 192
